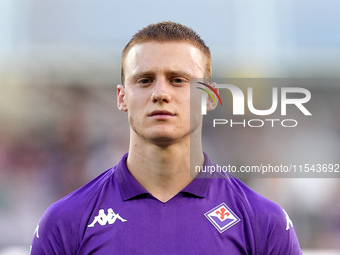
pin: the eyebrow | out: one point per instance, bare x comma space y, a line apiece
142, 74
179, 73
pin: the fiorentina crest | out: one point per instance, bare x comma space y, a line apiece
222, 217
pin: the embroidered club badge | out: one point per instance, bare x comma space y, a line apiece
222, 217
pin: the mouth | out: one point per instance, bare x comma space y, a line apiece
161, 114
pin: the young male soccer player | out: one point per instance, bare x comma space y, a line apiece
148, 203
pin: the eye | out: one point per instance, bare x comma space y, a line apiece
178, 81
144, 81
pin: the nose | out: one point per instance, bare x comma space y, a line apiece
161, 92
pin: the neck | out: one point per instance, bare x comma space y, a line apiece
164, 170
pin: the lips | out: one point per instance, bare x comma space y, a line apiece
161, 113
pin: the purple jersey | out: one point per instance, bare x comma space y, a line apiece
114, 214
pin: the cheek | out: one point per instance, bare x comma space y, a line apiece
130, 119
136, 110
194, 107
137, 96
132, 100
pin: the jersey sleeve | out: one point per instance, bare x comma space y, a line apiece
55, 232
278, 235
62, 225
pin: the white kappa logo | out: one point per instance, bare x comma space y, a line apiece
36, 232
289, 221
103, 218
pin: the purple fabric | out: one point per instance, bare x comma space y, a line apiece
114, 214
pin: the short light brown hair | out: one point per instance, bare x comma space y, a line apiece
168, 31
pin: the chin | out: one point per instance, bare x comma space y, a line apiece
163, 135
163, 139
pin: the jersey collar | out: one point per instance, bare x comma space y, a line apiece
131, 189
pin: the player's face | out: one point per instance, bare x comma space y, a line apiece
157, 89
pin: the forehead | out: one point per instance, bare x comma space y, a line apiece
155, 56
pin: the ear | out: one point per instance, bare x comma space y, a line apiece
121, 104
210, 102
